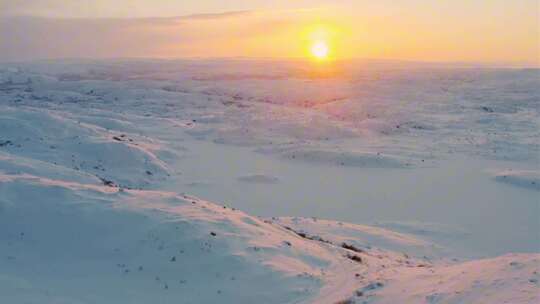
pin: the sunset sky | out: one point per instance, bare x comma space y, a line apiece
446, 30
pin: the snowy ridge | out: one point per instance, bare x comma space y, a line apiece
41, 135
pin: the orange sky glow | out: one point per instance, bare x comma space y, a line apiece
469, 35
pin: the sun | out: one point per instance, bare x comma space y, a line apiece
320, 50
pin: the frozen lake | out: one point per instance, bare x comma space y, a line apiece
455, 202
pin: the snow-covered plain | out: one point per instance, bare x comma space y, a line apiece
243, 181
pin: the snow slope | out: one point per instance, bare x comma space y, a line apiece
87, 243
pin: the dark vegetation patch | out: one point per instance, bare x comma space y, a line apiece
308, 237
354, 257
5, 143
108, 183
351, 247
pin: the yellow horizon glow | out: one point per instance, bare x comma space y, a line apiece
293, 35
495, 34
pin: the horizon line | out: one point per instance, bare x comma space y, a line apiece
497, 64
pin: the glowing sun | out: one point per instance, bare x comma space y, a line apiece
320, 50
